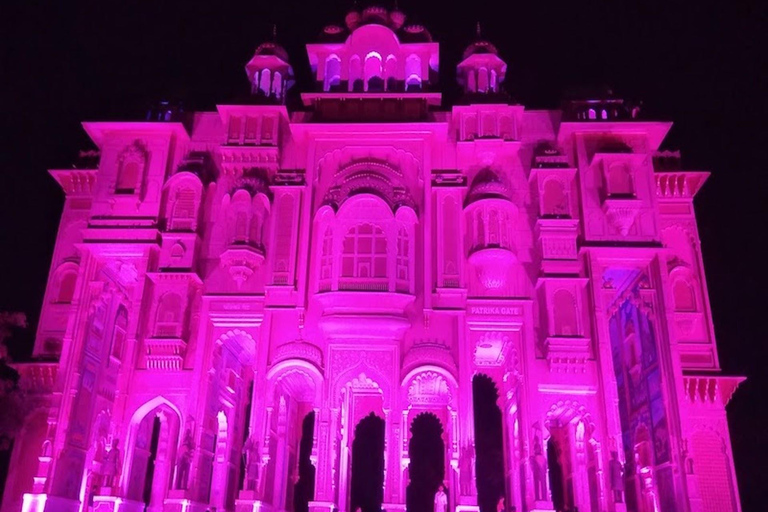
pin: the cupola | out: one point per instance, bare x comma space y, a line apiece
270, 72
481, 71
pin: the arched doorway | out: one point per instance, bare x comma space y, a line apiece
489, 443
427, 468
367, 484
304, 491
556, 482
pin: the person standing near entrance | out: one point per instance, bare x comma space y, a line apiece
441, 500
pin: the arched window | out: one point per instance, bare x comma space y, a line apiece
355, 74
591, 114
489, 125
177, 251
372, 71
257, 223
66, 288
620, 180
239, 217
471, 81
470, 128
364, 256
685, 298
168, 319
235, 124
118, 334
564, 312
241, 227
494, 230
494, 79
128, 177
265, 82
505, 128
332, 73
413, 73
183, 213
390, 73
480, 240
267, 130
482, 80
504, 229
554, 200
277, 85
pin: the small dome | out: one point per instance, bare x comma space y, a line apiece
480, 46
332, 29
397, 19
352, 20
415, 34
488, 184
270, 48
333, 34
375, 14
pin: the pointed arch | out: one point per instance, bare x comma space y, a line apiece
168, 318
565, 313
332, 75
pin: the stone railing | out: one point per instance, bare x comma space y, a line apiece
165, 353
37, 377
678, 185
710, 389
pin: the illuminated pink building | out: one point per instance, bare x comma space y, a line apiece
257, 309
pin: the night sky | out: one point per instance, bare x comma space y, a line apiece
700, 64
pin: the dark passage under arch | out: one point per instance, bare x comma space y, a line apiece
304, 491
427, 468
368, 465
489, 443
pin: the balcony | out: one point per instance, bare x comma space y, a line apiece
567, 354
242, 260
165, 353
492, 265
621, 212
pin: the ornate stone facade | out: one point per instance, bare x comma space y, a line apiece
239, 297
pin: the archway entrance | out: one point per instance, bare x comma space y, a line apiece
489, 443
556, 482
427, 468
367, 484
304, 491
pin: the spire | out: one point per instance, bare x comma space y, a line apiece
274, 32
478, 31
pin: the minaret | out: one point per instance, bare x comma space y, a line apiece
270, 72
481, 70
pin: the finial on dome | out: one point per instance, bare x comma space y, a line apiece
274, 32
478, 30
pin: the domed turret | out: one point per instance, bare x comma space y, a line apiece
481, 70
376, 14
270, 72
397, 18
352, 20
487, 184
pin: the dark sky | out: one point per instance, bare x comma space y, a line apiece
698, 63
